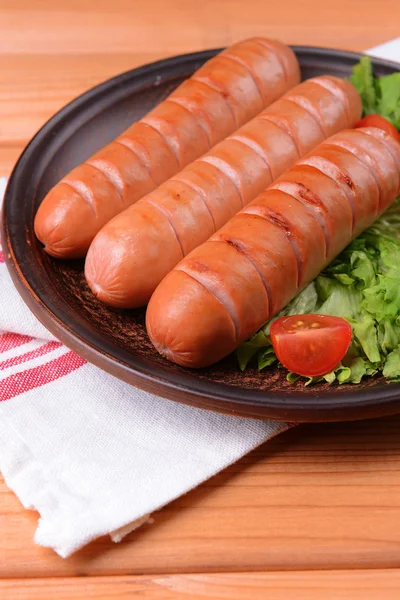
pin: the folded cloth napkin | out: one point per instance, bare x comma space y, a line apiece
91, 454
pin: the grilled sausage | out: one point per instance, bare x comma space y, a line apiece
227, 288
135, 250
223, 94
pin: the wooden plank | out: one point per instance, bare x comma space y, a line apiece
307, 585
317, 497
72, 47
9, 154
82, 26
33, 88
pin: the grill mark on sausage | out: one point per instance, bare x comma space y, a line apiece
386, 139
338, 92
344, 177
363, 156
110, 172
237, 60
226, 96
178, 102
242, 249
338, 176
195, 269
199, 266
284, 125
125, 144
278, 220
275, 52
384, 148
152, 123
235, 243
242, 139
133, 145
305, 105
226, 170
198, 191
307, 197
162, 210
83, 191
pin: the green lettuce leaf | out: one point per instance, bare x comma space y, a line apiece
392, 365
292, 377
266, 357
382, 300
379, 96
389, 98
367, 336
361, 285
388, 335
363, 80
246, 351
343, 374
360, 367
356, 369
337, 299
362, 268
330, 377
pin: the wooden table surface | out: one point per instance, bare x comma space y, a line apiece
315, 513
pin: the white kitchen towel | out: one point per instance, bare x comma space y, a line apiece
389, 50
90, 453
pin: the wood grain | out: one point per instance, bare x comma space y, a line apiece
316, 497
331, 585
321, 497
51, 52
82, 26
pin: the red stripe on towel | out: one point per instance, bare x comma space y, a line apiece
13, 340
17, 360
17, 384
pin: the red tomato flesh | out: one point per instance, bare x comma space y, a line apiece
310, 345
380, 123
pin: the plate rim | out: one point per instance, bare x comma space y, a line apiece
281, 405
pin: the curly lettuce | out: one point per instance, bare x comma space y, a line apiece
379, 96
362, 284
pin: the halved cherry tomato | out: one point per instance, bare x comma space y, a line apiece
380, 123
310, 345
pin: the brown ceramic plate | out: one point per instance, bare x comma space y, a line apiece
116, 341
